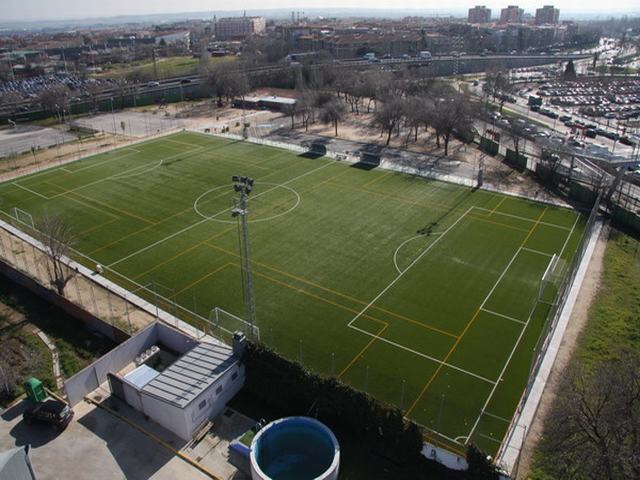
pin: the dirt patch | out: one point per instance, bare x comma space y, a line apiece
578, 321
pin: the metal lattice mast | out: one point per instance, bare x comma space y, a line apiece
243, 186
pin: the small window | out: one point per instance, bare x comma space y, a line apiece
234, 376
202, 404
219, 390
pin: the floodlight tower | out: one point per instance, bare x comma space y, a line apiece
243, 186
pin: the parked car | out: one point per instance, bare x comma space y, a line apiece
53, 412
590, 132
627, 141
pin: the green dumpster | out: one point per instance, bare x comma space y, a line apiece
34, 390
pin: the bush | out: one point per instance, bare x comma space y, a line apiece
269, 376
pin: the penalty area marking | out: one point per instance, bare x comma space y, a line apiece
255, 220
395, 254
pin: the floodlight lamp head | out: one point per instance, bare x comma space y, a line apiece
248, 189
250, 181
237, 188
235, 178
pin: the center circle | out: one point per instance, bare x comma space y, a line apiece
222, 214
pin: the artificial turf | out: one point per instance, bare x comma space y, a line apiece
422, 293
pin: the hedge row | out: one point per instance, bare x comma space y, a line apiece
290, 387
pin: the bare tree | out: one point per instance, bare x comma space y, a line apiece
54, 98
332, 112
388, 117
226, 83
593, 431
58, 237
497, 85
450, 112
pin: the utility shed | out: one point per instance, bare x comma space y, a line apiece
195, 387
176, 380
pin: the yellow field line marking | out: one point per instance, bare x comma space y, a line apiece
500, 224
466, 328
497, 206
343, 295
96, 227
93, 207
183, 252
361, 352
376, 179
154, 224
313, 295
204, 277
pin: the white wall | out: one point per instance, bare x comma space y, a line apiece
216, 403
169, 416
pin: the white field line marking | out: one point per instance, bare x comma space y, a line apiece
461, 437
395, 254
537, 252
30, 191
401, 274
566, 242
420, 354
95, 164
178, 142
118, 175
193, 225
504, 369
503, 316
497, 417
123, 175
561, 227
515, 347
489, 438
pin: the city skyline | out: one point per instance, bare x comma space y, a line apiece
42, 10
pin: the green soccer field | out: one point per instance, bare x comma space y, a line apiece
423, 293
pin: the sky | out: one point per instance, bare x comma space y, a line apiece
72, 9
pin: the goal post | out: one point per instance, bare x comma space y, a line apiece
550, 280
228, 322
23, 217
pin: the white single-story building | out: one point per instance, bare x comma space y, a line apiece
175, 380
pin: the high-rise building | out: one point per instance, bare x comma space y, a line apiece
547, 15
237, 27
479, 14
511, 14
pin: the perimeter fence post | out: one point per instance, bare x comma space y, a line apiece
404, 384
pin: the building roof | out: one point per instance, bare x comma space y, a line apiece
15, 464
192, 373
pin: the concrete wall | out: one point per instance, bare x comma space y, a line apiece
92, 376
175, 340
71, 308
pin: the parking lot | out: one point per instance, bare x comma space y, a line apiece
136, 123
612, 99
95, 445
22, 138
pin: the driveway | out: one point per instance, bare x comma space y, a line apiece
95, 445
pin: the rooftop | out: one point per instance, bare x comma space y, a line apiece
192, 373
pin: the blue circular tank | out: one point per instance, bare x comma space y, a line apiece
295, 448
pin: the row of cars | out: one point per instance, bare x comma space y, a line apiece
610, 99
33, 86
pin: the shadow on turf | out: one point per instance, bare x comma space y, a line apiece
428, 228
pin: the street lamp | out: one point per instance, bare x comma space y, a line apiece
243, 186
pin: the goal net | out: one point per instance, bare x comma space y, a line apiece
551, 279
229, 323
23, 217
